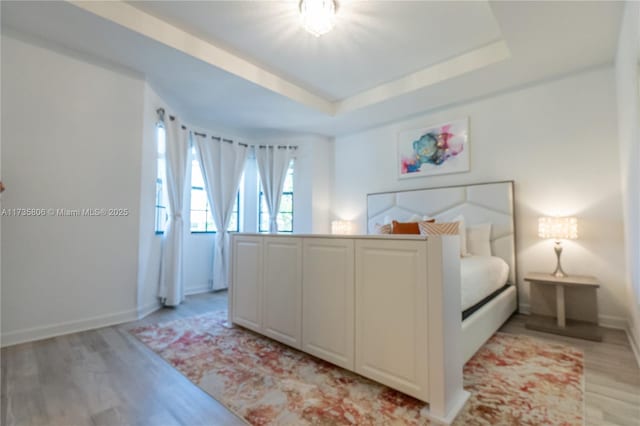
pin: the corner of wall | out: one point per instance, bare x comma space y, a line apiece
628, 94
633, 333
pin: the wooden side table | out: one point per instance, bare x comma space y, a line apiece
553, 319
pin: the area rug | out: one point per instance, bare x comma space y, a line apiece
513, 380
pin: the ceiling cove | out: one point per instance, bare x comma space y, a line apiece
220, 56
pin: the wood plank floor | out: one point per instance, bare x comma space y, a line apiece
107, 377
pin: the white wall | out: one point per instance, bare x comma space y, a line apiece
71, 139
557, 140
627, 74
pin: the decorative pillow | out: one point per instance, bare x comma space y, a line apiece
479, 239
405, 227
416, 218
462, 229
383, 229
443, 228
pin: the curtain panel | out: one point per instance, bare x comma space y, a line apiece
222, 164
273, 163
171, 290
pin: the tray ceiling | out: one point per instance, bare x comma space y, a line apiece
247, 65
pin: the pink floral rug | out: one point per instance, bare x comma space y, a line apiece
513, 380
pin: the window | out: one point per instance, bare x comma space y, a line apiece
161, 190
201, 219
285, 215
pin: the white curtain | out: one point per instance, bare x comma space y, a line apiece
222, 165
177, 160
273, 163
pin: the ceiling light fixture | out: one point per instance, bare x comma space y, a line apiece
318, 16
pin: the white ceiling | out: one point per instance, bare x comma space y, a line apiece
372, 43
248, 66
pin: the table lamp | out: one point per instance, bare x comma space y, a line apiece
341, 227
558, 228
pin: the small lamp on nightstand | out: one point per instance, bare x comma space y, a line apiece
341, 227
558, 228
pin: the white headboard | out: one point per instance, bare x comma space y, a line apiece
478, 203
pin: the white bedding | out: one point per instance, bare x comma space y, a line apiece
481, 276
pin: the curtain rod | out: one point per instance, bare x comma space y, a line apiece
160, 112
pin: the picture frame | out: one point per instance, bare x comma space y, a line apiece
434, 150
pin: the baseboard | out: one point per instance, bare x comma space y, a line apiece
635, 345
39, 333
197, 290
523, 308
607, 321
149, 308
610, 321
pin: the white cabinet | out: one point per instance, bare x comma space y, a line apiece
391, 314
267, 286
328, 300
247, 282
386, 308
282, 290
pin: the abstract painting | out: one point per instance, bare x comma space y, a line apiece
434, 150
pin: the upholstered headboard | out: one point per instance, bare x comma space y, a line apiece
478, 203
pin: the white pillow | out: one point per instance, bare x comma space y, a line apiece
479, 239
463, 234
414, 218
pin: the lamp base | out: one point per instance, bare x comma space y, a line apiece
558, 273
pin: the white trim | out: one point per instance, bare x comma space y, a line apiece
197, 290
610, 321
149, 308
635, 346
446, 70
607, 321
38, 333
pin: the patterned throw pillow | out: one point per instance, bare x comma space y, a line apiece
442, 228
383, 229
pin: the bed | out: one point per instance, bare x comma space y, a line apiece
387, 307
488, 282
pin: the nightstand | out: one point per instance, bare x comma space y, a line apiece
548, 307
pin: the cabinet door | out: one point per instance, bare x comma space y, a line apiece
247, 281
327, 300
282, 290
391, 314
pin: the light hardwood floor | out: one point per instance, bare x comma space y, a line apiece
107, 377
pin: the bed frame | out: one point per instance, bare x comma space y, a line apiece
386, 307
479, 203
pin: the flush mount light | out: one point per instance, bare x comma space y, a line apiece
318, 16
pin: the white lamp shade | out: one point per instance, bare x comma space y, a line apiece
558, 228
341, 227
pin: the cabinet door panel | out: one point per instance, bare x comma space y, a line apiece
282, 290
391, 314
328, 300
247, 282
